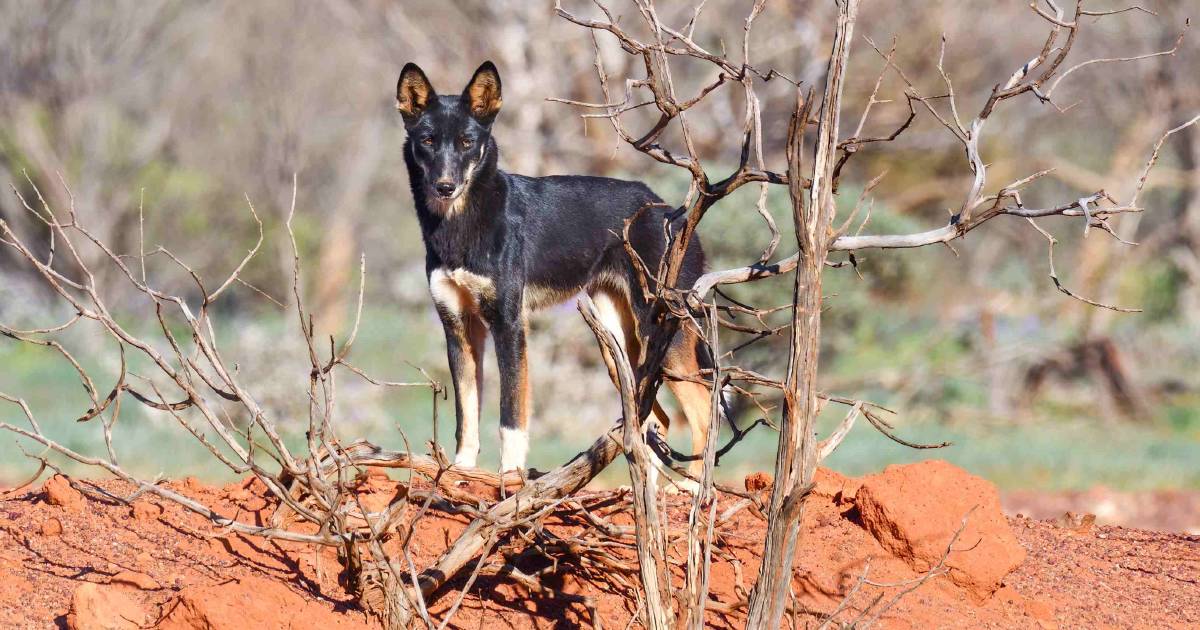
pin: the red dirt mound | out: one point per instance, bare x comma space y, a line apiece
104, 564
919, 512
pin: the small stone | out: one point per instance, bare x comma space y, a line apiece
51, 527
757, 482
59, 492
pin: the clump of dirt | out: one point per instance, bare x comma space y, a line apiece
100, 563
933, 514
109, 607
59, 492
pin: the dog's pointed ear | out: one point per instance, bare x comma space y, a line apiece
482, 93
413, 92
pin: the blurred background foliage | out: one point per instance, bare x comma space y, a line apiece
172, 117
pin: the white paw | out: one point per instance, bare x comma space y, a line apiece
464, 460
514, 447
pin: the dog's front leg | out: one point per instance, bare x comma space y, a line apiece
509, 335
466, 339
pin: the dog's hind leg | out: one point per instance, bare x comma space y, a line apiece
616, 314
684, 360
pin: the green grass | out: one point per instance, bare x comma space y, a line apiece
1071, 455
1061, 448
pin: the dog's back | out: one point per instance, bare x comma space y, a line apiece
574, 226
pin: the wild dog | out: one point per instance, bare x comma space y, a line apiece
500, 246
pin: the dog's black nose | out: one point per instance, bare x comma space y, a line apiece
444, 188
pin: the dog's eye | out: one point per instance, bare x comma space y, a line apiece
465, 142
427, 141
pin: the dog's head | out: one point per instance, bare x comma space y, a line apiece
448, 136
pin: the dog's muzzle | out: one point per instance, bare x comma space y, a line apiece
445, 189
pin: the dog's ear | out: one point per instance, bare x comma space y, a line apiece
413, 92
482, 93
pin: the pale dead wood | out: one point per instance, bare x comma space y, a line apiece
796, 456
700, 524
651, 540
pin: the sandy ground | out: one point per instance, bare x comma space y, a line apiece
172, 569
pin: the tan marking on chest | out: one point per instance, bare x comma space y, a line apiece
459, 291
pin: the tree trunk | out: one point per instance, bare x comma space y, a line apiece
795, 459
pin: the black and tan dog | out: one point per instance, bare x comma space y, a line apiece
499, 246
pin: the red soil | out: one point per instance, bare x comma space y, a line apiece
155, 563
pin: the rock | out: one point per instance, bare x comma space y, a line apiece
246, 603
97, 607
914, 511
59, 492
138, 580
51, 527
758, 482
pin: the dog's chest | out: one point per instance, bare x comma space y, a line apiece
459, 292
